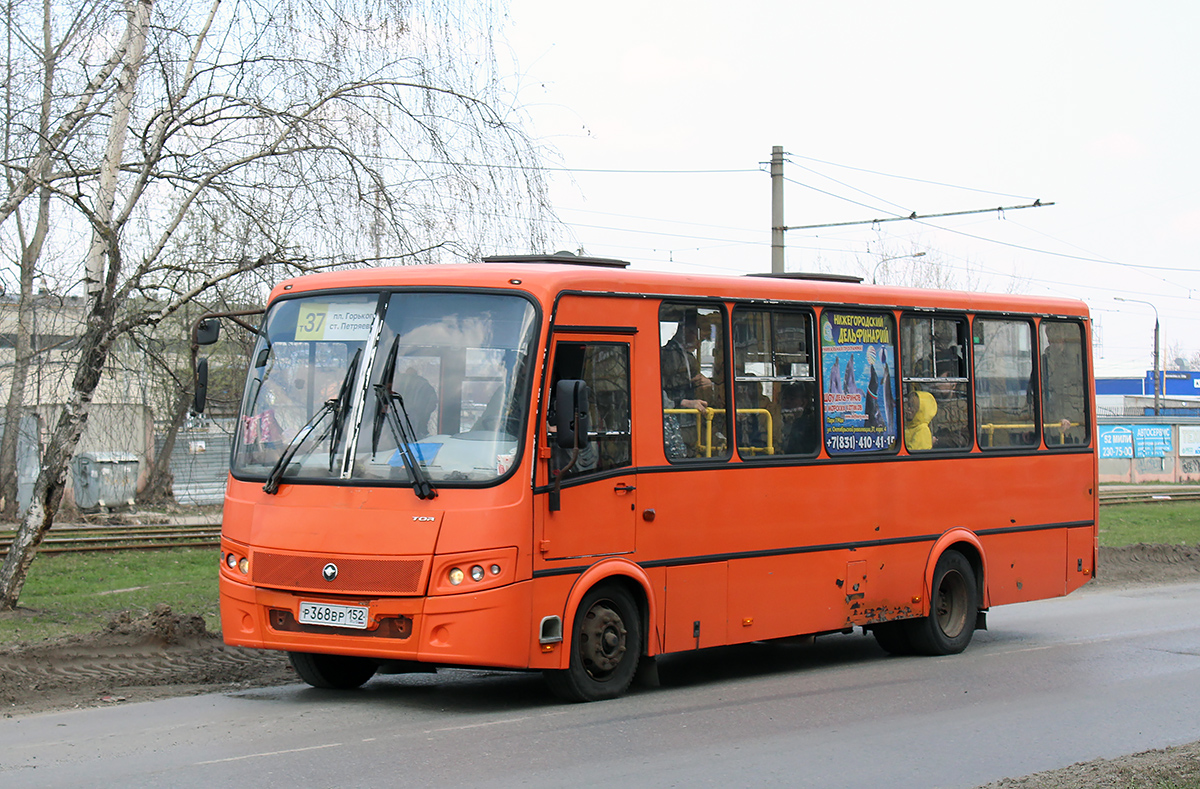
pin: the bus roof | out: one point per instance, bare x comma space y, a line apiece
545, 276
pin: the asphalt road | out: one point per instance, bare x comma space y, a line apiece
1099, 673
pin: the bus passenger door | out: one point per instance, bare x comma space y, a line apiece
597, 493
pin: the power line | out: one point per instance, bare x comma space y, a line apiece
909, 178
914, 216
551, 169
1061, 254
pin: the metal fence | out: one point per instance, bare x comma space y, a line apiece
200, 461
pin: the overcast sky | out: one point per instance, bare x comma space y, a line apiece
884, 109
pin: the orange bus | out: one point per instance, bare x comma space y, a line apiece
554, 463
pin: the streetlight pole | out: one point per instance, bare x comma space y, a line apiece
1156, 376
894, 257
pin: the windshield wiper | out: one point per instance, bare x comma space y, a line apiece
389, 407
336, 406
341, 405
273, 479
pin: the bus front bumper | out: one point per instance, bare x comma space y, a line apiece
487, 628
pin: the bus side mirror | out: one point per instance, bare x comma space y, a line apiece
208, 331
201, 387
571, 414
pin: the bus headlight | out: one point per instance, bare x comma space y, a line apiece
477, 571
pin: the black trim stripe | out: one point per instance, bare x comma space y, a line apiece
1042, 527
802, 549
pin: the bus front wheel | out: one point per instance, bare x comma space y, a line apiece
954, 604
606, 642
337, 672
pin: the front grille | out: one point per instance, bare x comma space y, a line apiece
354, 576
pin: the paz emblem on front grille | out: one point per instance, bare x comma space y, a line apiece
329, 571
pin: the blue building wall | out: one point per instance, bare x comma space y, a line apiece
1175, 383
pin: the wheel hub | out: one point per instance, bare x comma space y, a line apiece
602, 640
951, 604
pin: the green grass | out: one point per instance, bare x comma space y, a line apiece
76, 593
1168, 522
79, 593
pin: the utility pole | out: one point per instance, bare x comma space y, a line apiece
1157, 377
777, 228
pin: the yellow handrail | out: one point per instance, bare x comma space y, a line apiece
1063, 426
706, 446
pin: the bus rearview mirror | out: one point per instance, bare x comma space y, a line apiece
201, 395
571, 414
208, 331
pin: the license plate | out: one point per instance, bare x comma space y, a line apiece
334, 615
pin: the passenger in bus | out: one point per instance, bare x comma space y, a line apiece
799, 419
498, 414
420, 400
292, 395
682, 379
681, 375
922, 408
673, 443
951, 429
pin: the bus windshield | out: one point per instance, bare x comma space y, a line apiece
409, 388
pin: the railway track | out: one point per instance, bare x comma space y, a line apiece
157, 536
141, 537
1146, 496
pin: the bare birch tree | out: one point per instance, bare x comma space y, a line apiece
33, 62
242, 136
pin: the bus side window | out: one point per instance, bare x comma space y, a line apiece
692, 363
935, 362
1064, 384
1005, 399
604, 367
775, 384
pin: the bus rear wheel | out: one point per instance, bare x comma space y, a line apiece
954, 604
336, 672
606, 642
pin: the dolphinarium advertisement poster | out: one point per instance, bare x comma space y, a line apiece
858, 360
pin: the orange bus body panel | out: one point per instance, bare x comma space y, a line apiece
716, 554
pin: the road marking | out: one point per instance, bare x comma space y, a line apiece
477, 725
270, 753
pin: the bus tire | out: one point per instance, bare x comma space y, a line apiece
606, 643
893, 638
953, 605
336, 672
